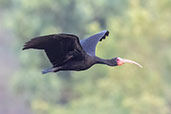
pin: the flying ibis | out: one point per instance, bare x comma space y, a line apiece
67, 52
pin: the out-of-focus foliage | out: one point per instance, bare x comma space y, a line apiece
139, 30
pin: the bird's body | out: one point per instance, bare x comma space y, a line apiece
83, 64
66, 52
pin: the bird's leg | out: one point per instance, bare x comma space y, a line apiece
68, 58
56, 69
71, 54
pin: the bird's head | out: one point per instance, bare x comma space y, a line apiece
120, 61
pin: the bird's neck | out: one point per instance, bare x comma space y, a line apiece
104, 61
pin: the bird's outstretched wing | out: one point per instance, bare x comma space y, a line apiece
89, 44
59, 48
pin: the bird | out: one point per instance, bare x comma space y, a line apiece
67, 53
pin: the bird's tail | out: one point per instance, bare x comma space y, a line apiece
44, 71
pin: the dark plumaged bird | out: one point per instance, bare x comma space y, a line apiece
67, 52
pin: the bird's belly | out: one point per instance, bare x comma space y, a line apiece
78, 66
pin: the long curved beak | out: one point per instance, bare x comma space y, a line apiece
132, 62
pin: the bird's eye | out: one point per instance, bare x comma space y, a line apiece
118, 59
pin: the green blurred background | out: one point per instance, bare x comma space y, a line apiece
139, 30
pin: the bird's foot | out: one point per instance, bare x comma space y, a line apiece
44, 71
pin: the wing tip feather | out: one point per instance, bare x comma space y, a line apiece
105, 34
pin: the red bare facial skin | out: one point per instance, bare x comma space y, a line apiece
119, 61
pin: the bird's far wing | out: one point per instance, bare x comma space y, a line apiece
59, 47
89, 44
